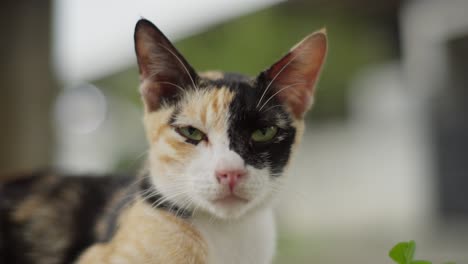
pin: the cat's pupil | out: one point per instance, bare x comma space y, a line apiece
191, 130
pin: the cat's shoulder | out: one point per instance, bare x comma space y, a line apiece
149, 235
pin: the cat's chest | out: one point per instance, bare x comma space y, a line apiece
247, 241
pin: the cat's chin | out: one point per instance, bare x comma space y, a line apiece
230, 211
230, 200
229, 208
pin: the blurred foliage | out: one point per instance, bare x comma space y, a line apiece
403, 253
253, 42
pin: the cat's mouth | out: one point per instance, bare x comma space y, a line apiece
229, 199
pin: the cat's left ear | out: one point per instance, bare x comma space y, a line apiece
292, 79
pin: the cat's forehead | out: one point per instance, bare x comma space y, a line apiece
207, 107
244, 89
239, 84
230, 93
222, 100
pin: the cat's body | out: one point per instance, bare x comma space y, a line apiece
47, 218
219, 145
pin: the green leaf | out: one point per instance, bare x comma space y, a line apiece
403, 252
398, 252
410, 251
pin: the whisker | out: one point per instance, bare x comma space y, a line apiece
177, 206
135, 194
183, 207
181, 63
164, 199
177, 192
136, 159
211, 220
282, 89
194, 211
274, 78
297, 195
173, 84
271, 107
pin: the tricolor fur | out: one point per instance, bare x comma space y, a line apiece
219, 148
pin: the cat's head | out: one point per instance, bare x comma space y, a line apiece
219, 142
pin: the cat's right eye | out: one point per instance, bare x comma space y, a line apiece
191, 133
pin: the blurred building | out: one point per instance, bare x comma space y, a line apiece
435, 35
28, 85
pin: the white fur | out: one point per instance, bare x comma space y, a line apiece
250, 239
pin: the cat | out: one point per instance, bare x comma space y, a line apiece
219, 148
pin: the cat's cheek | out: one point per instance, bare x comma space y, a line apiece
259, 185
200, 171
168, 157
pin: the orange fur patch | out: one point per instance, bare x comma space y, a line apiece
182, 149
146, 235
212, 104
156, 123
167, 160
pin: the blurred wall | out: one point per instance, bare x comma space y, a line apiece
27, 85
449, 126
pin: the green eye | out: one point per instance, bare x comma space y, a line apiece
264, 134
191, 133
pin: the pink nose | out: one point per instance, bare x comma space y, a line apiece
230, 177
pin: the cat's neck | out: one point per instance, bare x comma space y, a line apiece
249, 239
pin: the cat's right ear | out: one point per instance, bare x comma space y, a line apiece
164, 72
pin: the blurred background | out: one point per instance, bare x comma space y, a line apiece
385, 155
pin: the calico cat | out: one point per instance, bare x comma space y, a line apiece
219, 147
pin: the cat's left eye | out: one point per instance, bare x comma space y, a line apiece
191, 133
264, 134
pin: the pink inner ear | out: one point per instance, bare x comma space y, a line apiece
299, 69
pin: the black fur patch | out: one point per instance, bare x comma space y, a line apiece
246, 117
155, 200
